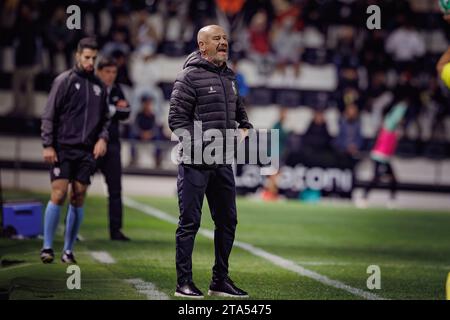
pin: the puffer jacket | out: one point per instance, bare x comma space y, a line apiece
208, 93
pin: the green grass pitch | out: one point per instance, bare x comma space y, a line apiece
411, 247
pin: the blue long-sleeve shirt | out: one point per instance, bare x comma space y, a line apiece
349, 134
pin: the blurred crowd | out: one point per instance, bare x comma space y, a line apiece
375, 68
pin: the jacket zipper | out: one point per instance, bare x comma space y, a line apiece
85, 111
226, 101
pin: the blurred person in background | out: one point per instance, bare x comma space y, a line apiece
437, 110
144, 129
377, 98
117, 7
445, 58
91, 8
178, 29
144, 31
347, 95
117, 41
440, 94
231, 15
408, 84
346, 54
287, 42
382, 152
374, 56
123, 76
259, 49
405, 45
270, 189
145, 74
349, 140
59, 38
317, 142
110, 164
8, 14
283, 132
27, 46
242, 85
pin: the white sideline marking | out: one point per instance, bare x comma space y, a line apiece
18, 266
388, 265
102, 257
147, 288
277, 260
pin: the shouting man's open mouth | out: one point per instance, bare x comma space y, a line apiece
222, 50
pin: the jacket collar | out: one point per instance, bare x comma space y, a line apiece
195, 59
82, 73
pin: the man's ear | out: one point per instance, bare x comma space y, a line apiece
201, 45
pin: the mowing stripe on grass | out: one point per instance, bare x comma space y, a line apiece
148, 289
102, 257
277, 260
18, 266
143, 287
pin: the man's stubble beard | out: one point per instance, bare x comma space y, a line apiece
219, 61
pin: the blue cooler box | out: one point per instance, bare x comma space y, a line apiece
25, 217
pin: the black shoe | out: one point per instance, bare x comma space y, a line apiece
188, 290
68, 257
226, 288
118, 235
47, 255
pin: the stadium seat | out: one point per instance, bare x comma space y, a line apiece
407, 148
7, 61
287, 98
314, 98
172, 49
261, 96
315, 56
436, 150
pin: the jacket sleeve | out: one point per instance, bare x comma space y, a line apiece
395, 116
49, 120
182, 104
121, 113
241, 115
358, 136
105, 120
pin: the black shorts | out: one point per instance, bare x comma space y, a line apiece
383, 169
73, 164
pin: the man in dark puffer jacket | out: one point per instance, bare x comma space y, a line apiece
206, 91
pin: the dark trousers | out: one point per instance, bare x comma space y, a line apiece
218, 185
382, 170
111, 167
